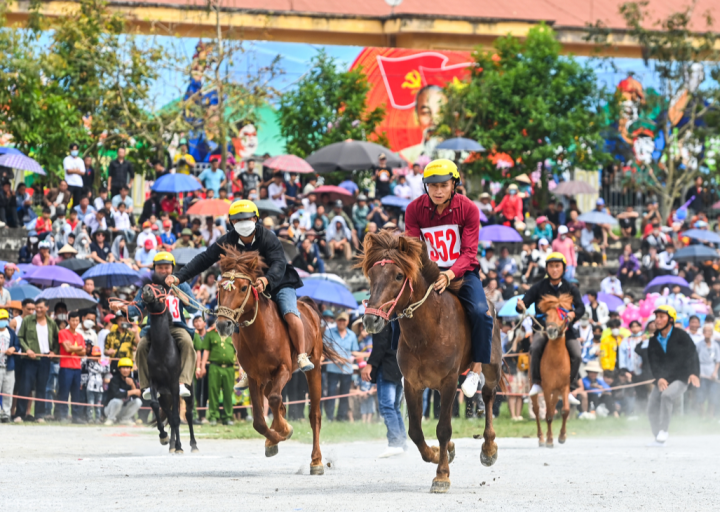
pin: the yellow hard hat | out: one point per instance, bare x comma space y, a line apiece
668, 310
440, 170
243, 209
164, 258
556, 256
125, 362
4, 315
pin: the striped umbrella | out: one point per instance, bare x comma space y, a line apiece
289, 163
21, 162
73, 298
109, 275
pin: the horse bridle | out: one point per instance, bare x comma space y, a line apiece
408, 311
234, 315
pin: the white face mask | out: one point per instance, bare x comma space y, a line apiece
584, 322
615, 332
244, 227
88, 324
147, 231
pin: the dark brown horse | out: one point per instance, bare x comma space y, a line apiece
264, 349
434, 347
554, 367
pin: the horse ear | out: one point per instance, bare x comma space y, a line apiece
403, 244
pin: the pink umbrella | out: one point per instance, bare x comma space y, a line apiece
289, 163
334, 193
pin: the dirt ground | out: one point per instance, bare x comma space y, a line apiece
126, 468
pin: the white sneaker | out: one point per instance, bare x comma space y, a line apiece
304, 363
655, 444
662, 436
535, 389
391, 451
587, 416
109, 423
572, 400
184, 391
473, 381
243, 383
146, 394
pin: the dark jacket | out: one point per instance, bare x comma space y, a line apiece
14, 342
121, 173
679, 362
542, 288
383, 358
279, 274
117, 388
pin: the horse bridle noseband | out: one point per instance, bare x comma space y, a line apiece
408, 311
234, 315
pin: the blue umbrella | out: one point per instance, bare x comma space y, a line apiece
10, 151
696, 253
701, 234
334, 278
596, 217
499, 233
613, 301
24, 291
660, 282
21, 162
110, 275
328, 291
397, 202
176, 183
74, 298
460, 144
52, 275
508, 308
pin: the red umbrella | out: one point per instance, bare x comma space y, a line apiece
210, 207
334, 193
289, 163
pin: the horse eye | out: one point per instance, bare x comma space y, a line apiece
399, 277
244, 288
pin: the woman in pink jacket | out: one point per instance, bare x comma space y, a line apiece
565, 246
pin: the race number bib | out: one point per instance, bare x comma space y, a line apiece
443, 244
173, 304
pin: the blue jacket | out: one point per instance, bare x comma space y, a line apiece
14, 342
140, 308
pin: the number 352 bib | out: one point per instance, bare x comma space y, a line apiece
443, 244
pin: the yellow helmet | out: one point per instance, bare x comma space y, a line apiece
243, 209
556, 256
164, 258
440, 170
4, 315
125, 362
668, 310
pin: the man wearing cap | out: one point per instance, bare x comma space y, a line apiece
554, 285
511, 207
220, 354
339, 378
382, 176
9, 345
168, 237
185, 240
449, 223
145, 254
280, 279
565, 246
123, 396
147, 234
674, 363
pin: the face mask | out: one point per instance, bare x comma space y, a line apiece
3, 324
597, 337
244, 227
626, 300
88, 324
584, 322
513, 192
147, 231
74, 152
615, 332
61, 316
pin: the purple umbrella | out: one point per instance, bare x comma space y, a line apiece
660, 282
613, 302
499, 233
52, 275
21, 162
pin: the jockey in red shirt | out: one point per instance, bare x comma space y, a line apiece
449, 224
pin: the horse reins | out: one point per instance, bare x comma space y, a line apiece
234, 315
408, 311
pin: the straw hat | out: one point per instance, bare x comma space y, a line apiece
593, 366
67, 249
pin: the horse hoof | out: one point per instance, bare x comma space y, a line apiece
451, 453
179, 452
439, 487
562, 440
171, 450
488, 461
549, 445
194, 449
317, 470
541, 444
164, 440
271, 451
290, 434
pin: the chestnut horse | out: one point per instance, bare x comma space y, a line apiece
264, 350
554, 366
434, 347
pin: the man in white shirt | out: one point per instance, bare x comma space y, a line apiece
611, 285
414, 181
276, 191
95, 221
74, 171
666, 263
402, 189
146, 235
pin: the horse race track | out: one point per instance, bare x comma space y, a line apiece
119, 468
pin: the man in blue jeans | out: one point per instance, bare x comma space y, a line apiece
72, 348
383, 369
339, 378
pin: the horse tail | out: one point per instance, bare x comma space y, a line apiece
329, 352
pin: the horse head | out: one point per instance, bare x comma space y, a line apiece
556, 310
154, 294
392, 264
237, 297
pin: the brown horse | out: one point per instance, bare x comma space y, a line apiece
434, 347
264, 349
554, 367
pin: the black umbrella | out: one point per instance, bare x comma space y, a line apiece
696, 253
351, 155
267, 207
77, 265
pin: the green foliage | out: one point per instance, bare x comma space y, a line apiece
328, 106
526, 100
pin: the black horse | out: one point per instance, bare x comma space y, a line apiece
164, 368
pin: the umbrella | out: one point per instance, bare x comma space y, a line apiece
483, 218
696, 253
52, 275
74, 298
328, 291
26, 267
110, 275
21, 162
508, 308
460, 144
351, 155
210, 208
660, 282
613, 302
596, 217
397, 202
24, 291
499, 233
334, 193
701, 234
268, 207
185, 254
77, 265
10, 151
573, 187
145, 277
334, 278
175, 183
288, 163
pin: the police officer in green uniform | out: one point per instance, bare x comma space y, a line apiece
220, 353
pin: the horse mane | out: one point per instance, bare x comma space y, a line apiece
249, 263
549, 302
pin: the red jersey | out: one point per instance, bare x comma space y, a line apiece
76, 340
451, 237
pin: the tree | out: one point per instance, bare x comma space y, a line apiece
328, 106
527, 101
